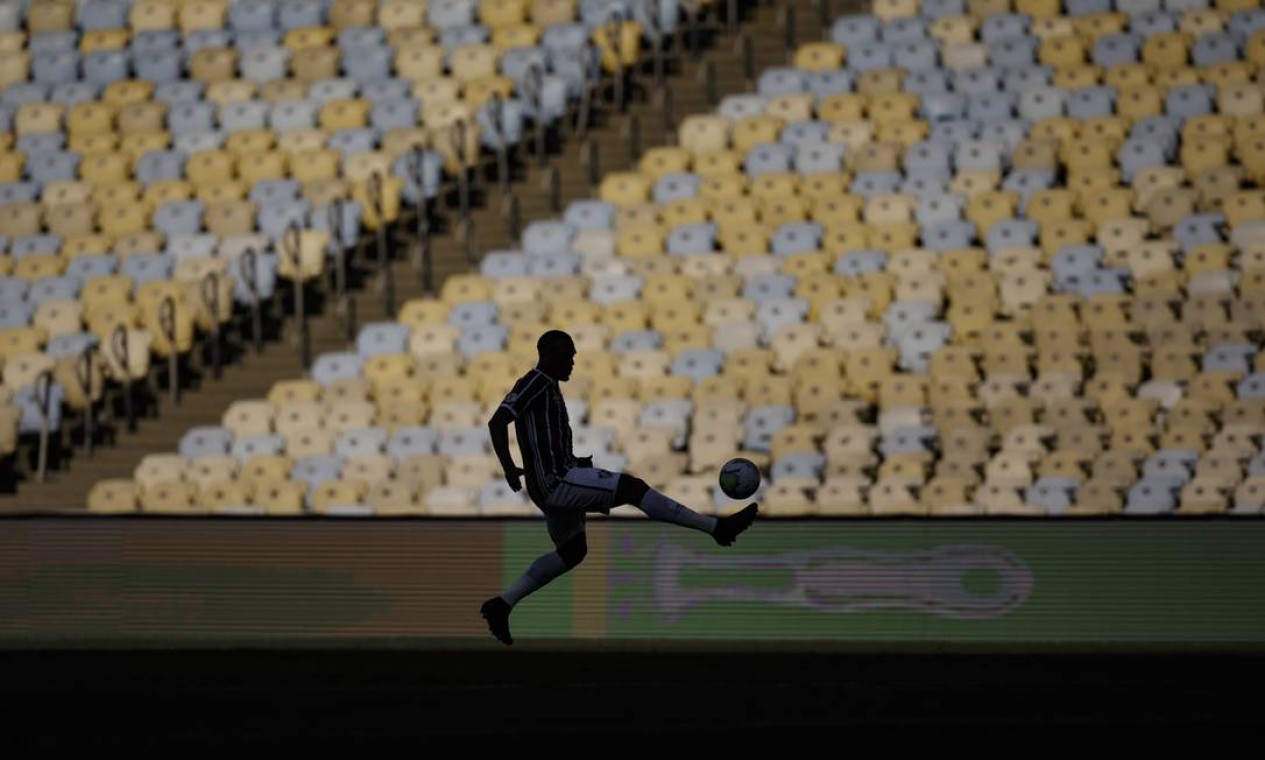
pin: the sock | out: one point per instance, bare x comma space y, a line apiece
542, 571
659, 507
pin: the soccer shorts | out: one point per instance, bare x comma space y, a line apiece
583, 489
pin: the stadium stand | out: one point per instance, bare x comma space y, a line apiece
170, 167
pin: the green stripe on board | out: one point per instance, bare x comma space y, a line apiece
547, 612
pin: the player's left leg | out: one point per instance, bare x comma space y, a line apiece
634, 491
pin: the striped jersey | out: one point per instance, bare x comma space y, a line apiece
543, 430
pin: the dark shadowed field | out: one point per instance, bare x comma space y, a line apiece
350, 699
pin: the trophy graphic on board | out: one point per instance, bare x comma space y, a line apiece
844, 579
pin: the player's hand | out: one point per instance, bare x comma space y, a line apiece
512, 477
584, 462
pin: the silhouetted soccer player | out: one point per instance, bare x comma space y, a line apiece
564, 487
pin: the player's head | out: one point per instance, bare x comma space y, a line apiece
557, 354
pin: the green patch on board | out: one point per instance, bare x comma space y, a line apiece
547, 612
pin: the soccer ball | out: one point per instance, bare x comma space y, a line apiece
739, 478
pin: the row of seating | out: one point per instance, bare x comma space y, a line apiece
164, 165
255, 15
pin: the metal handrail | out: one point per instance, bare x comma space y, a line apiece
457, 139
43, 401
121, 350
290, 247
612, 31
423, 263
167, 323
249, 269
345, 305
83, 372
211, 299
534, 92
386, 282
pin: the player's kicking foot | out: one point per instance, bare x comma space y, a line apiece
728, 528
497, 612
